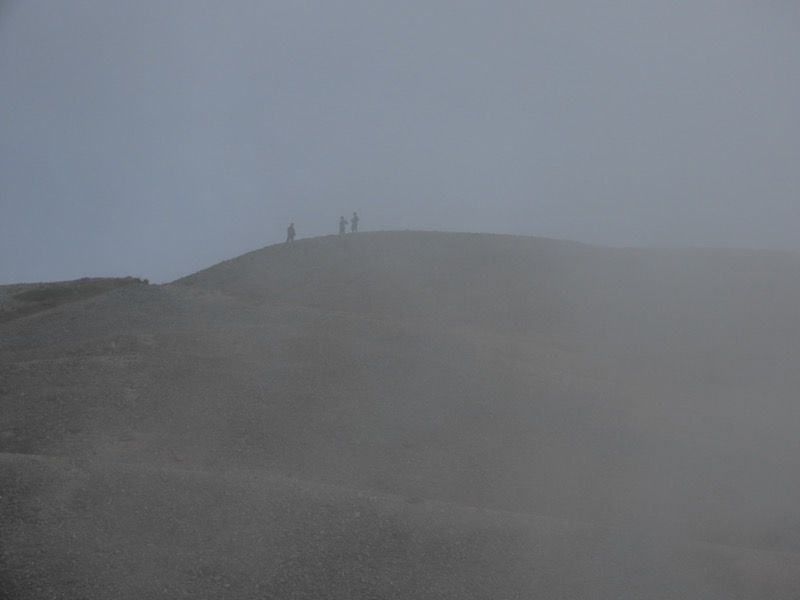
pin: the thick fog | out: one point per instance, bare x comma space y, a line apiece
154, 139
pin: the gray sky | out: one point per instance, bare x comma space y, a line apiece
154, 138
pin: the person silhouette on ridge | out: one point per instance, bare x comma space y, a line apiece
354, 222
290, 233
342, 223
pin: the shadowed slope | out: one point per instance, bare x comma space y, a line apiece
647, 392
24, 299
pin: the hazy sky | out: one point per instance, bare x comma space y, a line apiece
157, 137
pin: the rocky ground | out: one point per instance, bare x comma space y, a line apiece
406, 415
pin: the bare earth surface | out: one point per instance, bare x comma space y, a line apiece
407, 415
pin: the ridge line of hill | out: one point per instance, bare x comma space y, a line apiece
249, 476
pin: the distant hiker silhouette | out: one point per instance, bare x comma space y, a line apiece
290, 233
354, 223
342, 223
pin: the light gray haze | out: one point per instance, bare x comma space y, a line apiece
155, 138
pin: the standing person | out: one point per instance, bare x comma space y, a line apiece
342, 223
354, 222
290, 233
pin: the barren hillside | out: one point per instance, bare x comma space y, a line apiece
408, 415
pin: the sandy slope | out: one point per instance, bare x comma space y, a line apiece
651, 394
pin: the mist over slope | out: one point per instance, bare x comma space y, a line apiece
642, 400
662, 302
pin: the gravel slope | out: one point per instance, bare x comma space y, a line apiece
382, 415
